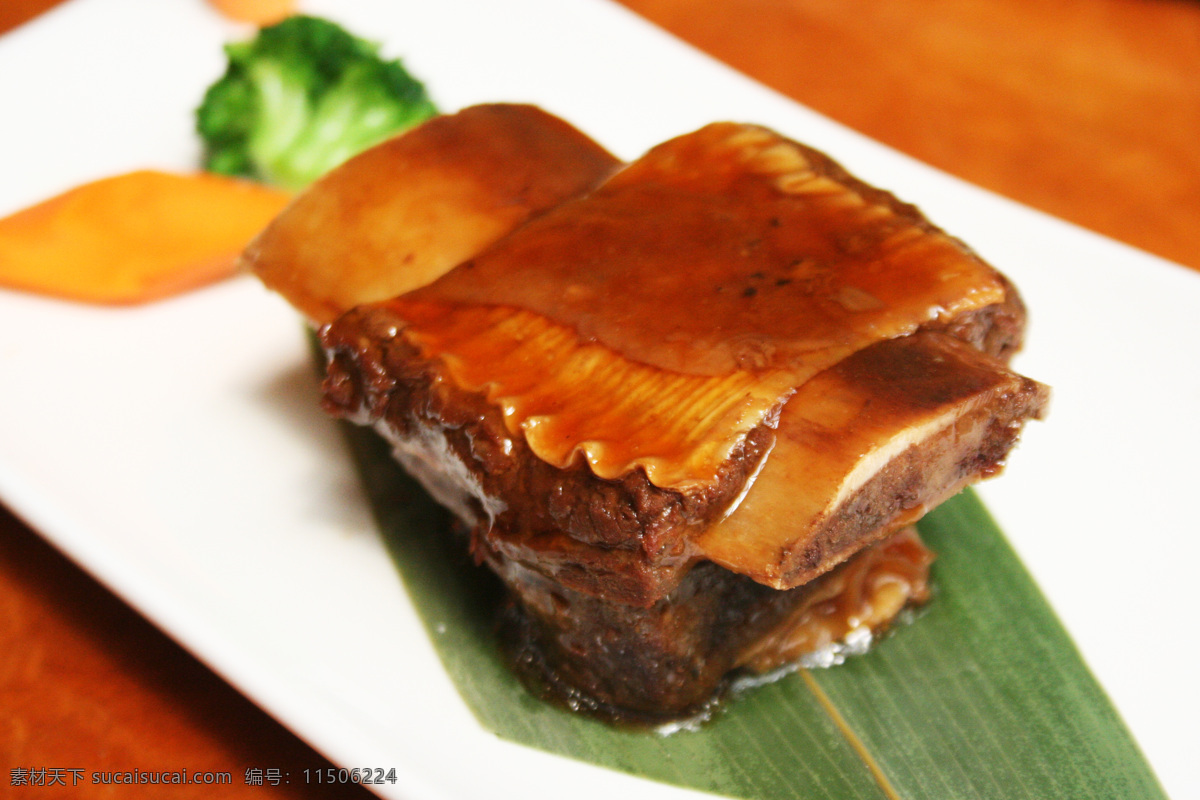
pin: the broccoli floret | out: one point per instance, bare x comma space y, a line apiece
302, 97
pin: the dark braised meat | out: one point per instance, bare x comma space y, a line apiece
678, 402
670, 661
909, 421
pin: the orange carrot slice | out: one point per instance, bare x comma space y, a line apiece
134, 237
259, 12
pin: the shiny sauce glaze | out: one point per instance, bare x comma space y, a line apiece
657, 320
857, 600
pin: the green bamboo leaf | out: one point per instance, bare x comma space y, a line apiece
985, 696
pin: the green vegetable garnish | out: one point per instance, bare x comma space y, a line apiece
300, 98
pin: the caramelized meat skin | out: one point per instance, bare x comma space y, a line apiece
643, 460
655, 321
730, 248
458, 443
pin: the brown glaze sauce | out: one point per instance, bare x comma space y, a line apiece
655, 321
725, 250
864, 595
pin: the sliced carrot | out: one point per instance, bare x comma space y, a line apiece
259, 12
134, 237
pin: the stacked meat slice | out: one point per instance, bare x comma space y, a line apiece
689, 406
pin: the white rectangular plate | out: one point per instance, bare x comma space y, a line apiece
176, 450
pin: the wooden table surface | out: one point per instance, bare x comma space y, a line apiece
1087, 109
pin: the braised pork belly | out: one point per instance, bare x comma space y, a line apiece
673, 400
